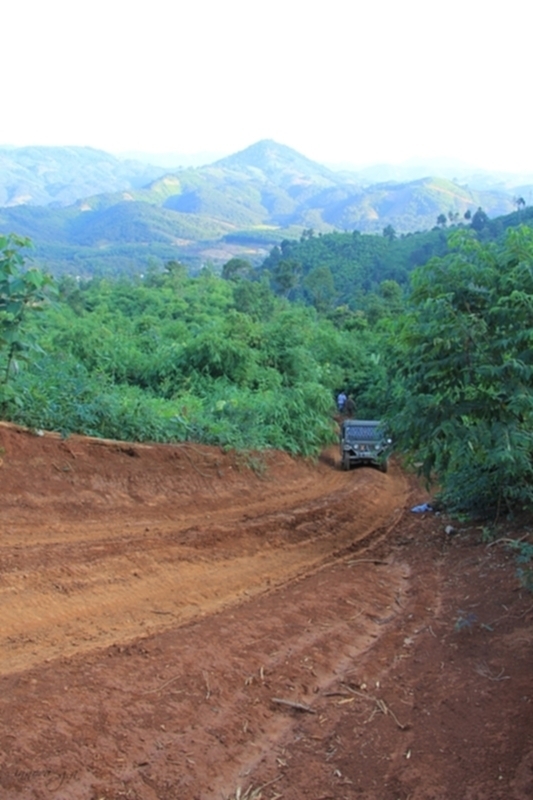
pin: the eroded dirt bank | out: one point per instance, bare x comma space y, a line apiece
180, 623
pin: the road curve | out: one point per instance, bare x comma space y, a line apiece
102, 542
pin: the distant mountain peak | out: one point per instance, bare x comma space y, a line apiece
274, 159
264, 148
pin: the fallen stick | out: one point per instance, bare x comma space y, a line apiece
380, 706
297, 706
507, 540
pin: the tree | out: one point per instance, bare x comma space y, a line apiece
176, 269
480, 220
237, 268
464, 398
389, 233
254, 298
321, 287
441, 220
286, 275
20, 290
391, 291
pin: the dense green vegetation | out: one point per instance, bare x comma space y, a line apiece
21, 290
463, 358
342, 268
345, 268
170, 357
433, 332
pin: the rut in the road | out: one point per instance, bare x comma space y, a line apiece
75, 577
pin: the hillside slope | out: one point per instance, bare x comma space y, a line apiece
239, 205
61, 175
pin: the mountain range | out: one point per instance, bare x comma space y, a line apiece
89, 211
59, 176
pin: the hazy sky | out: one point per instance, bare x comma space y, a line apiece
343, 80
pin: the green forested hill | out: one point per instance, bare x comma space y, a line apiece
274, 163
61, 175
239, 205
340, 268
346, 268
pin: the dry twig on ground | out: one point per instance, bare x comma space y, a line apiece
291, 704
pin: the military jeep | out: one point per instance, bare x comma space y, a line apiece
363, 442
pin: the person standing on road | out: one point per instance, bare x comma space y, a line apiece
341, 401
349, 407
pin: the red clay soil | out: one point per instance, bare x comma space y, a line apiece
178, 623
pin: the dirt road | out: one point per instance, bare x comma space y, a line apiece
177, 622
103, 542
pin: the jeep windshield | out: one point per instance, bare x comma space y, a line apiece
358, 433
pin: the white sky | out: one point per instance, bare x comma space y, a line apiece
362, 81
